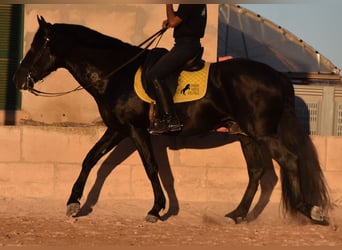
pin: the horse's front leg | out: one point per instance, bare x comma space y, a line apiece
254, 156
142, 141
103, 146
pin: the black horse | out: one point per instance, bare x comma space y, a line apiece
244, 96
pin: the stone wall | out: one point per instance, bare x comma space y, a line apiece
44, 162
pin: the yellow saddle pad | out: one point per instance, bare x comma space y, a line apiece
191, 85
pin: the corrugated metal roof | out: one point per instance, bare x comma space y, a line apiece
243, 33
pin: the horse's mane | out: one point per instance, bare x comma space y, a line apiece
89, 37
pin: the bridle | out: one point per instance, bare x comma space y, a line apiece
29, 79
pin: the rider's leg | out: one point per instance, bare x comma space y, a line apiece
172, 61
168, 120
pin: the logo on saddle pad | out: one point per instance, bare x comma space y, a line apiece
191, 85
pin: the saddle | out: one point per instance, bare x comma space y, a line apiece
187, 84
196, 63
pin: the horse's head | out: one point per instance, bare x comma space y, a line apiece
39, 60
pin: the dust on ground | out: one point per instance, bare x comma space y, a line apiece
39, 222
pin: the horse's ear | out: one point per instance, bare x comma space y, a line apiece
41, 21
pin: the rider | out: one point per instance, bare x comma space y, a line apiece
189, 24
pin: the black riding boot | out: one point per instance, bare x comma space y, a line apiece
166, 121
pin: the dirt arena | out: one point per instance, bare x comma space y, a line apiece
39, 222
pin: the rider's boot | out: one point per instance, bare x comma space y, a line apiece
167, 121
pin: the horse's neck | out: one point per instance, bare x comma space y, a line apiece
93, 71
91, 56
88, 76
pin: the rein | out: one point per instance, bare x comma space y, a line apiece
37, 92
149, 41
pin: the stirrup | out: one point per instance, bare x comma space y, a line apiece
158, 126
174, 124
165, 125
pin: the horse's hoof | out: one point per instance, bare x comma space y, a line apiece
73, 209
229, 220
151, 218
317, 216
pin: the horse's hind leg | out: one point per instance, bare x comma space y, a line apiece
268, 181
255, 158
102, 147
292, 194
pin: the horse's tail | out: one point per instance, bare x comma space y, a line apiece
312, 181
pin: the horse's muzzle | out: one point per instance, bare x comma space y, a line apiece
23, 81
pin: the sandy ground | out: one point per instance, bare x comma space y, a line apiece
37, 222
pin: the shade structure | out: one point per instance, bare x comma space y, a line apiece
243, 33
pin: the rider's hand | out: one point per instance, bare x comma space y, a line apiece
165, 24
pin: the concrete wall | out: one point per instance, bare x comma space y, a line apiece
132, 23
44, 162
